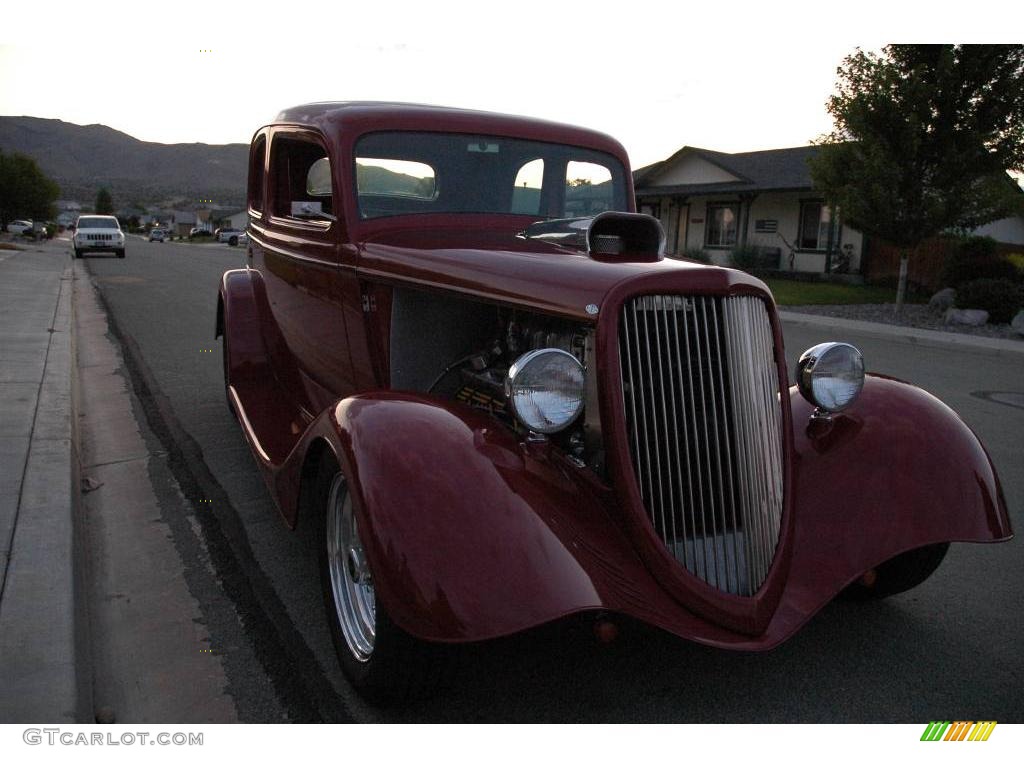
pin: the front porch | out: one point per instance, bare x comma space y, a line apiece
799, 230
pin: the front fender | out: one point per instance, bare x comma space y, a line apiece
469, 533
897, 471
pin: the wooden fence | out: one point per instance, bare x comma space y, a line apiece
881, 261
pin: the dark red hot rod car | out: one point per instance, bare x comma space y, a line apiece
459, 353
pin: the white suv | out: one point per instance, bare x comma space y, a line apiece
229, 236
98, 233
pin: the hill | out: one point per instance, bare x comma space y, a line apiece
82, 158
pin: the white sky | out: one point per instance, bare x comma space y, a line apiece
729, 76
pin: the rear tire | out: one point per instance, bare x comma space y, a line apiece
232, 240
381, 661
903, 572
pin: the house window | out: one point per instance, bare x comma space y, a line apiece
721, 225
651, 209
815, 221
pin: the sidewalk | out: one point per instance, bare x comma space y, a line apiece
917, 336
39, 664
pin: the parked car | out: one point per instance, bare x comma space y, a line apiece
19, 226
40, 230
95, 234
228, 235
496, 413
199, 232
157, 235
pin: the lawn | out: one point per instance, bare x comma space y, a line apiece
796, 292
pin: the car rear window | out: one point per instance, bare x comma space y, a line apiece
97, 222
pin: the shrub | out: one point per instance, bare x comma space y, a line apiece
1000, 298
750, 258
978, 248
696, 254
976, 258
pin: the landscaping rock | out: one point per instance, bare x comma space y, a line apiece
966, 316
1018, 323
942, 300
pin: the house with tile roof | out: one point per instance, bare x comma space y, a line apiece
716, 202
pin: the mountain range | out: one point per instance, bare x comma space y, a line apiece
83, 158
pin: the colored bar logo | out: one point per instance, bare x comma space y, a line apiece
961, 730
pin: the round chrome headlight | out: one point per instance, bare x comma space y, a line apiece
545, 389
831, 375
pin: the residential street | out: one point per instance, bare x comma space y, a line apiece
947, 648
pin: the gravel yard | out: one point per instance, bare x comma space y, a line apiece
913, 316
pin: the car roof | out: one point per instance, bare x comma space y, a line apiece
363, 116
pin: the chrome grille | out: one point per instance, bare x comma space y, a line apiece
100, 237
701, 398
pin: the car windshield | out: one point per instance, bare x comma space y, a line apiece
97, 222
403, 172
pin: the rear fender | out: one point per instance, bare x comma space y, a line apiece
238, 320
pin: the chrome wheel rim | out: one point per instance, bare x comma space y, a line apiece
351, 582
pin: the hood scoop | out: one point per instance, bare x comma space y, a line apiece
609, 236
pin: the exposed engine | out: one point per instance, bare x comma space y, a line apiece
482, 373
478, 379
462, 349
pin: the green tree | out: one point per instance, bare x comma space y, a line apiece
923, 138
25, 191
104, 202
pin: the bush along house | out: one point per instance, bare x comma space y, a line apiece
759, 210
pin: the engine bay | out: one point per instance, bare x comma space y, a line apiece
469, 349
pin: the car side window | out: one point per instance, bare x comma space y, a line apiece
300, 180
526, 191
257, 173
588, 189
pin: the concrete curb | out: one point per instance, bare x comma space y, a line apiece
39, 662
918, 336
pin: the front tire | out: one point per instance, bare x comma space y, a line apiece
120, 253
232, 240
382, 662
903, 572
78, 253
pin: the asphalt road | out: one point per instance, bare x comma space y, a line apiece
947, 650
